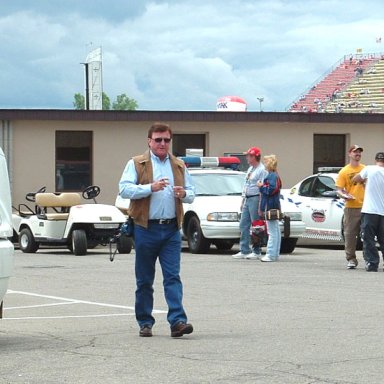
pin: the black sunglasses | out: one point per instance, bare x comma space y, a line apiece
160, 139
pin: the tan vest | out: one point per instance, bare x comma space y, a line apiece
139, 209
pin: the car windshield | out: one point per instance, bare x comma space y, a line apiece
218, 184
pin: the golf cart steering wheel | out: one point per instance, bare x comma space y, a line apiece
31, 196
91, 192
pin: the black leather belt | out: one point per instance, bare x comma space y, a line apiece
252, 196
163, 221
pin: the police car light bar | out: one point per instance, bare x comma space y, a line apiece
209, 162
329, 169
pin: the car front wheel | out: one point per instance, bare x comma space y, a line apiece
27, 242
196, 241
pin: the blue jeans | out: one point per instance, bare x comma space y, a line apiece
161, 241
372, 225
274, 239
249, 213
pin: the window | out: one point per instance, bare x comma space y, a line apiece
328, 151
180, 142
323, 184
306, 187
73, 160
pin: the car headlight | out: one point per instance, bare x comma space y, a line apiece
295, 216
106, 226
223, 216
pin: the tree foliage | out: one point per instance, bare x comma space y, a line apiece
122, 103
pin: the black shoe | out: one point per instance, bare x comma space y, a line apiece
370, 267
181, 329
145, 331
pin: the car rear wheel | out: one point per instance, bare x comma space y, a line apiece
196, 241
124, 244
27, 242
288, 245
79, 242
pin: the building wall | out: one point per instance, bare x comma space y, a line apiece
114, 142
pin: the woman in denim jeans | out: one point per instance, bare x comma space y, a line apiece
270, 199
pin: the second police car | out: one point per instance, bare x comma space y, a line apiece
321, 207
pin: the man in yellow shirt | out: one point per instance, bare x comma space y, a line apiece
353, 193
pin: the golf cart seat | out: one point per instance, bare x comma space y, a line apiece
59, 203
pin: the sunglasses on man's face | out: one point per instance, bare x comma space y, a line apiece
160, 139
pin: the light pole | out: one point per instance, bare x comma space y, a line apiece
261, 99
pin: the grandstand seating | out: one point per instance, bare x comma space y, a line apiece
354, 85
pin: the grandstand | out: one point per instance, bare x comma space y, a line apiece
353, 85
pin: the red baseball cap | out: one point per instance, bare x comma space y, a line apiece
254, 151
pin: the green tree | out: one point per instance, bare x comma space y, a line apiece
79, 102
106, 102
124, 103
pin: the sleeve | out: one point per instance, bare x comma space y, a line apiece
340, 180
364, 173
189, 188
269, 185
128, 187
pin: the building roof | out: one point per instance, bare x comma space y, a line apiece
188, 116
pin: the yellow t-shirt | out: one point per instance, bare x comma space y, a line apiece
344, 181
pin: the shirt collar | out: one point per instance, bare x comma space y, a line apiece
156, 158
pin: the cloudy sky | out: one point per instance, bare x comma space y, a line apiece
179, 54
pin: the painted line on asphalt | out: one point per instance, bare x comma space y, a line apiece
67, 301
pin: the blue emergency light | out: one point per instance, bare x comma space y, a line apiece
209, 162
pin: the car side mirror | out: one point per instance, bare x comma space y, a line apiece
330, 194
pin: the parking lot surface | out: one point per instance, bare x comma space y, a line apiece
306, 319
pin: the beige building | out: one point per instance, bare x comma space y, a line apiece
66, 150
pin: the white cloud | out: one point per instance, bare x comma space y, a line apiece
178, 55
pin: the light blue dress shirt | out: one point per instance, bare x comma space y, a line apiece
162, 203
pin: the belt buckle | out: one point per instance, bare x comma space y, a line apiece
162, 221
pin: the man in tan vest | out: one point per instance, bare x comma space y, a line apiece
157, 184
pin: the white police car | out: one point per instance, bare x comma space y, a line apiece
6, 247
214, 216
321, 207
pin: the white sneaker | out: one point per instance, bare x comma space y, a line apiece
253, 256
352, 264
266, 258
240, 255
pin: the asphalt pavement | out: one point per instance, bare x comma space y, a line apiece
305, 319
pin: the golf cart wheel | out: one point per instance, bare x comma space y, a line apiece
124, 244
79, 242
196, 241
27, 242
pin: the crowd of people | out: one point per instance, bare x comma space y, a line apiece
158, 183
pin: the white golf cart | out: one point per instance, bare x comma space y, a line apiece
59, 219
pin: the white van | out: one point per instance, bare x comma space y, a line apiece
6, 247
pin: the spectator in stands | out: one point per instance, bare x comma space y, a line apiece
353, 193
372, 211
